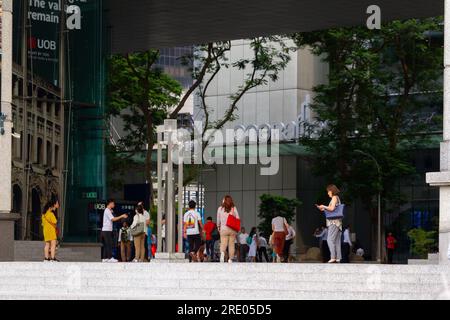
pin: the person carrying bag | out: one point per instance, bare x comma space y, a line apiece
138, 233
334, 213
228, 224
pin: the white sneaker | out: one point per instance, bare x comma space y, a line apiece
135, 260
222, 257
105, 260
230, 261
113, 260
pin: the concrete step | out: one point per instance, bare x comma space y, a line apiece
27, 280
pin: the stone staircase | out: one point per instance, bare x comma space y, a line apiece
68, 252
433, 258
28, 280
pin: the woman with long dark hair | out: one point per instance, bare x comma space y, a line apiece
50, 228
227, 235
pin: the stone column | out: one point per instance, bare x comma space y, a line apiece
6, 217
442, 179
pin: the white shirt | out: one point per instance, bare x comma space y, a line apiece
163, 231
243, 238
291, 233
222, 217
278, 224
147, 217
191, 219
262, 242
347, 237
323, 236
107, 220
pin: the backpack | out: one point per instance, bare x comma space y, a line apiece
249, 240
215, 234
125, 236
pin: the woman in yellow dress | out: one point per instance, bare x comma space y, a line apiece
49, 224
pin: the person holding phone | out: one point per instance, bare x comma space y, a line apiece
334, 225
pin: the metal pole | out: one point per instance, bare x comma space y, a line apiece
159, 131
62, 84
379, 228
180, 200
24, 135
170, 213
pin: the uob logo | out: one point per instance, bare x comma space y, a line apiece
35, 43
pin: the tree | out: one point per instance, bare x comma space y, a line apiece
422, 242
380, 82
270, 56
141, 95
148, 95
272, 206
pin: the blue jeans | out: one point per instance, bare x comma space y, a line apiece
210, 248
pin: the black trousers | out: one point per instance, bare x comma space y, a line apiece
107, 244
287, 246
195, 241
243, 250
325, 251
390, 253
263, 251
210, 248
345, 252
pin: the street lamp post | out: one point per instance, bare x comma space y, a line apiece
378, 201
167, 138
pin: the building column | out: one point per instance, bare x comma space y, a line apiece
442, 179
6, 217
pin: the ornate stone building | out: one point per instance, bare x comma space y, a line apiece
38, 161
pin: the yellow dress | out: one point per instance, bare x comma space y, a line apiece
48, 223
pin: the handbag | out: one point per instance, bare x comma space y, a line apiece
139, 228
233, 222
337, 213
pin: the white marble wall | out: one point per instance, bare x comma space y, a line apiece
275, 102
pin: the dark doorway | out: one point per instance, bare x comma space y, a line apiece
17, 208
36, 214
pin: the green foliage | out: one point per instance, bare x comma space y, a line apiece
272, 206
422, 242
370, 104
141, 95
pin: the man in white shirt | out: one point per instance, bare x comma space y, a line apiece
288, 242
243, 245
107, 228
192, 226
346, 245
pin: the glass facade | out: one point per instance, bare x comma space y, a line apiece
85, 54
87, 51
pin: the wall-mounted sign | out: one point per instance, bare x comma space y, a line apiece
43, 36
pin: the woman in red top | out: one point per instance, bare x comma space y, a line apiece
208, 228
390, 244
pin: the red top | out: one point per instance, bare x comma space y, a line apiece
209, 228
390, 240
